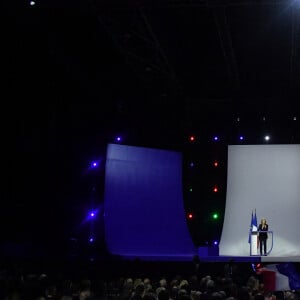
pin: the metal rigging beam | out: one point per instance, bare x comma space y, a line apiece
135, 39
220, 18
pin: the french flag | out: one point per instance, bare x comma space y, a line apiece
280, 277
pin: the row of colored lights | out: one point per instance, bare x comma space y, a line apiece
215, 189
214, 216
216, 138
92, 215
192, 164
192, 138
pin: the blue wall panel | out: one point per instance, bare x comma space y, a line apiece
144, 211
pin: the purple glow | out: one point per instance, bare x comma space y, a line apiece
215, 243
94, 164
91, 240
241, 138
118, 139
192, 164
92, 214
216, 138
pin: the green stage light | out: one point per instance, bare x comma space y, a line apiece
215, 216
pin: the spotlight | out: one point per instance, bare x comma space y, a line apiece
216, 164
191, 189
192, 138
94, 164
241, 138
91, 240
190, 216
92, 214
32, 3
192, 164
216, 138
118, 139
215, 243
238, 119
267, 138
215, 216
295, 118
215, 189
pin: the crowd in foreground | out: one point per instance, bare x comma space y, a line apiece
43, 287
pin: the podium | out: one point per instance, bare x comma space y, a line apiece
254, 243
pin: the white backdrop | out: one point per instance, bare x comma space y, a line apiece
265, 177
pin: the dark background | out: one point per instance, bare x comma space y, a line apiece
78, 73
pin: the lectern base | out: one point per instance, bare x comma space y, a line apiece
254, 244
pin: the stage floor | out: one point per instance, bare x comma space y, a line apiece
252, 259
280, 259
215, 259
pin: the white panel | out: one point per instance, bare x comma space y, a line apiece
265, 177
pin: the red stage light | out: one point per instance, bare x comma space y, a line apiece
190, 216
192, 138
215, 189
216, 163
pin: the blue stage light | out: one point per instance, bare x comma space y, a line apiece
94, 164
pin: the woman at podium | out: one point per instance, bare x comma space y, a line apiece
263, 236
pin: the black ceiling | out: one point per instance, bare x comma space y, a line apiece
241, 51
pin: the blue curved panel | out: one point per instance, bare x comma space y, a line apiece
144, 211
